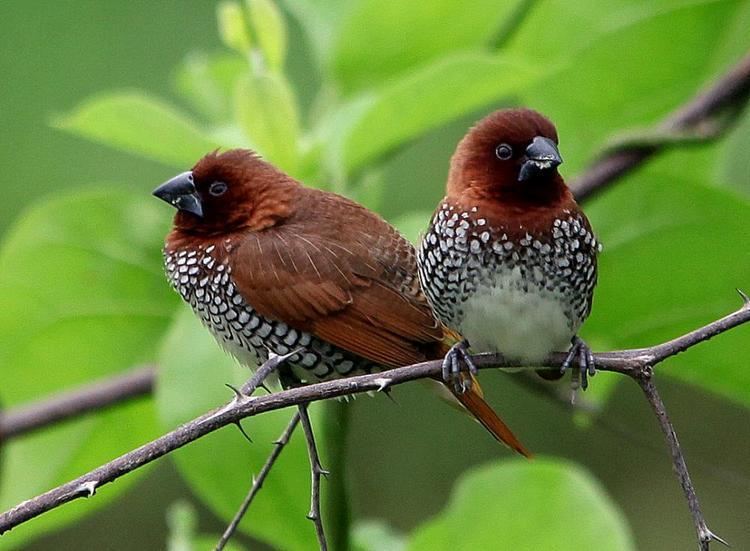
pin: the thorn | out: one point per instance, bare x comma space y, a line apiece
387, 393
312, 516
383, 383
707, 535
279, 359
237, 394
88, 488
242, 430
745, 298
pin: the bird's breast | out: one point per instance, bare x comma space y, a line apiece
524, 294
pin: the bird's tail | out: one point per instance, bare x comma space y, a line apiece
473, 401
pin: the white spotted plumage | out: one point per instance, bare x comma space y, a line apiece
205, 283
524, 298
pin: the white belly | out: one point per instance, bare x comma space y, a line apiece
522, 325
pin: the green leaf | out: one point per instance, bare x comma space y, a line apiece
233, 28
628, 70
319, 20
413, 225
734, 162
422, 101
672, 268
543, 504
138, 123
208, 82
83, 297
182, 520
374, 535
270, 30
219, 468
378, 39
266, 109
183, 523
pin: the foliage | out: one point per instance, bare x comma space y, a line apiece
81, 284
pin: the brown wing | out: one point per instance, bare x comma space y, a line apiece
342, 273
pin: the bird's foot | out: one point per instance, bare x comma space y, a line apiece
581, 360
458, 367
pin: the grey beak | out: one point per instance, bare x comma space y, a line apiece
542, 157
180, 192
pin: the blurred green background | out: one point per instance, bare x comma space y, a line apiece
101, 101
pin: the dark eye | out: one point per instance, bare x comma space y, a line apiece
504, 151
217, 188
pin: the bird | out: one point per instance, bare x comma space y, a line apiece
272, 267
509, 259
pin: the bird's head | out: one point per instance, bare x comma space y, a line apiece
231, 191
510, 155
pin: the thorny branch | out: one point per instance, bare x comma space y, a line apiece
637, 363
316, 471
700, 118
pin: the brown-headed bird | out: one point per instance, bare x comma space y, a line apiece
509, 259
271, 266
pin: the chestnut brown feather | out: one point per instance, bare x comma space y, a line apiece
310, 261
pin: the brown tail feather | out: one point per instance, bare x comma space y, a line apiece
472, 400
475, 404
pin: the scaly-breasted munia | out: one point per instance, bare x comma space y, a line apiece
509, 259
270, 266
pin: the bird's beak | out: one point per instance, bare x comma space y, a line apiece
180, 192
542, 157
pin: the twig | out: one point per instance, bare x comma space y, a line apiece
705, 535
628, 362
316, 470
729, 91
258, 481
92, 397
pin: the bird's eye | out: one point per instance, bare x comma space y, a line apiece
504, 151
217, 188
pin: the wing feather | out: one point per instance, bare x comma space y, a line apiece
351, 283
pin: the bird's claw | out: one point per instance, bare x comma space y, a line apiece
582, 360
458, 367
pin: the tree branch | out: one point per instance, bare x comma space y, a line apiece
704, 534
698, 117
86, 399
628, 362
316, 471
